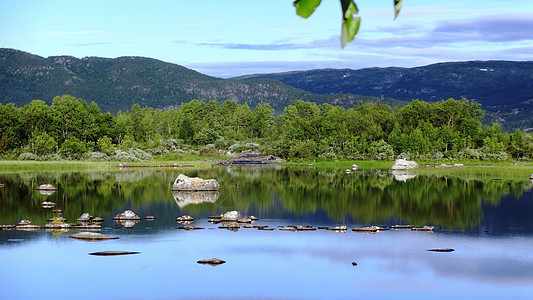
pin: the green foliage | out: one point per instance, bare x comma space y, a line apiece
350, 23
44, 144
445, 130
73, 148
105, 145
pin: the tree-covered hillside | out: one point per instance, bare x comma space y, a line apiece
502, 87
118, 84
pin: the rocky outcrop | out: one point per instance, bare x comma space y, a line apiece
403, 164
185, 183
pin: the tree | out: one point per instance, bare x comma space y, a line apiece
350, 22
44, 144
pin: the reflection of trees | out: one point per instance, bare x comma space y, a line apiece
366, 196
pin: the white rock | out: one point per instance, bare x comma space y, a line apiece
231, 215
185, 183
402, 164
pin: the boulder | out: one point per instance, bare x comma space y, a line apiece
127, 215
84, 218
231, 216
185, 183
402, 164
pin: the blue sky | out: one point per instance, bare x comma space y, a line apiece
226, 38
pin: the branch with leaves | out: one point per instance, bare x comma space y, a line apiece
350, 20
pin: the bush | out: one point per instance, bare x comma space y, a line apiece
44, 144
28, 156
96, 156
133, 154
159, 150
208, 150
105, 145
73, 148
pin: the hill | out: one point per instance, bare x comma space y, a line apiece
117, 84
504, 88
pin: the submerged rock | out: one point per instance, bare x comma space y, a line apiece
185, 183
423, 228
403, 164
127, 215
188, 227
211, 261
442, 250
92, 236
113, 253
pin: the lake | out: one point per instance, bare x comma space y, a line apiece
485, 217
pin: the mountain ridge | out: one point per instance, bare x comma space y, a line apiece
118, 83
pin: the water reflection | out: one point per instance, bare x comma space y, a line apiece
376, 197
185, 198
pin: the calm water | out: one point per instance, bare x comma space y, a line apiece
488, 222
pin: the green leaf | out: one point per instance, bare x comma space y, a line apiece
350, 27
397, 7
305, 8
350, 24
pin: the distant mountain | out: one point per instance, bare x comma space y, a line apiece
502, 87
117, 84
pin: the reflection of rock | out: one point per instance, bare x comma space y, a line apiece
183, 198
47, 204
402, 175
402, 164
127, 215
185, 183
92, 236
46, 192
46, 187
127, 223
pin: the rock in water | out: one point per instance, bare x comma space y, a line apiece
113, 253
402, 164
127, 215
92, 236
46, 187
185, 183
211, 261
231, 216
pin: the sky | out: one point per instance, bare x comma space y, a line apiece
226, 38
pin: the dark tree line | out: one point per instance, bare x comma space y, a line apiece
71, 128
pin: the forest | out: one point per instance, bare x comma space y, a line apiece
72, 129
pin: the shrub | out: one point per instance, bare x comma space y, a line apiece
44, 144
28, 156
96, 156
73, 148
